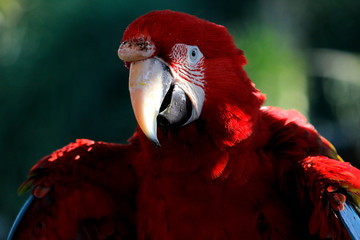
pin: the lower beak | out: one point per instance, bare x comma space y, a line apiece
149, 81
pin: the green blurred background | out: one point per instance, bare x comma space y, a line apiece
61, 79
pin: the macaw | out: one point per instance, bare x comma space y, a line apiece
207, 160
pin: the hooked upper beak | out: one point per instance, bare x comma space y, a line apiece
149, 81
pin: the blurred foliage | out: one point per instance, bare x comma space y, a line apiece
60, 78
276, 67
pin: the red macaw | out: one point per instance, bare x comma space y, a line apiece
206, 162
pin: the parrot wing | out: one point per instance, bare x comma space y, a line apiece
351, 220
85, 190
334, 188
323, 178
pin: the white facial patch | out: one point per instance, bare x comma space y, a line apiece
187, 65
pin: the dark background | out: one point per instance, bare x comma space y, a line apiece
61, 79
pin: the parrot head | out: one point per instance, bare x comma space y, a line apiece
184, 69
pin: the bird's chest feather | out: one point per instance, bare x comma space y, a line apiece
188, 210
193, 205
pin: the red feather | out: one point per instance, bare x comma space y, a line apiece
85, 188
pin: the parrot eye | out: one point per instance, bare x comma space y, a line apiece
194, 54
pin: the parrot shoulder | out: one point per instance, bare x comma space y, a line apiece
87, 188
309, 164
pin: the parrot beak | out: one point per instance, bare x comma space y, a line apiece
149, 81
159, 97
160, 100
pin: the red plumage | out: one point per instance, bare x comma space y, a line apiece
239, 171
79, 190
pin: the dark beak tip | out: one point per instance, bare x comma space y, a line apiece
157, 144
